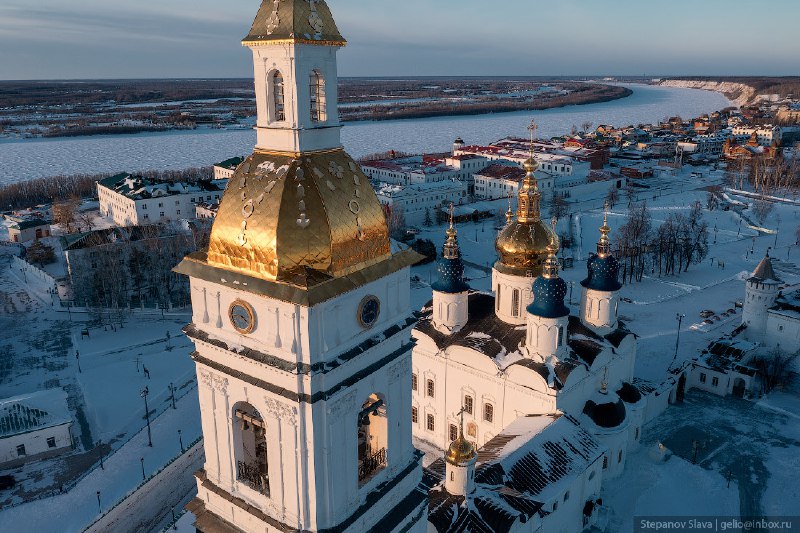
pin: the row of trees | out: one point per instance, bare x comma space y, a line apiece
768, 176
67, 188
680, 241
115, 273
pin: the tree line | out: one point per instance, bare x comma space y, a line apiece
62, 187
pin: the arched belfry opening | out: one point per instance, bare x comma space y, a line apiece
373, 438
318, 100
250, 448
278, 98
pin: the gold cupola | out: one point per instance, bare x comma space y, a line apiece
284, 216
460, 451
522, 245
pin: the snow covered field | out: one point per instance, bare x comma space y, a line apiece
27, 159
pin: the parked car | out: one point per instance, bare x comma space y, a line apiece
706, 313
7, 482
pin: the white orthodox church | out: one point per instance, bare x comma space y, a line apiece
548, 405
310, 396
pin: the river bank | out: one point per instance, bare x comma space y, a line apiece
27, 159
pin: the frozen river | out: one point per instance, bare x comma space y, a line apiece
27, 159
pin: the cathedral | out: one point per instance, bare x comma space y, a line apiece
316, 378
530, 406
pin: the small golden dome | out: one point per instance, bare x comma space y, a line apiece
284, 217
530, 165
460, 451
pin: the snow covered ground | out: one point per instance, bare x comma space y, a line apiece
27, 159
747, 462
37, 351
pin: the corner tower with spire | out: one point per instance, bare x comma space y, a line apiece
522, 248
450, 291
761, 291
600, 297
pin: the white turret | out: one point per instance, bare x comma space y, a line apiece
458, 144
600, 297
450, 291
460, 465
761, 290
547, 316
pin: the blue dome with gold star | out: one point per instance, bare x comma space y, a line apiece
602, 267
548, 298
603, 274
450, 266
549, 289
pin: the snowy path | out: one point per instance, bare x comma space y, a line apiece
74, 510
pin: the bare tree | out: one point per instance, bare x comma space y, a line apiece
612, 196
775, 369
559, 208
586, 126
65, 213
762, 209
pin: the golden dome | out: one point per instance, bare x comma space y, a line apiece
284, 217
530, 165
460, 451
523, 244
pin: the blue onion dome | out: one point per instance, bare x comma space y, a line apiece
602, 267
549, 289
450, 266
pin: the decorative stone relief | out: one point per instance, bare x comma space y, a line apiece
281, 411
345, 404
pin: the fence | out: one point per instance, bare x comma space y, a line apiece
34, 272
144, 507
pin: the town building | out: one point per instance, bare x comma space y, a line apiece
133, 200
301, 316
766, 134
34, 426
498, 181
94, 260
412, 205
226, 169
416, 170
206, 210
27, 229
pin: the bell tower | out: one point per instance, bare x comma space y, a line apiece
302, 316
294, 46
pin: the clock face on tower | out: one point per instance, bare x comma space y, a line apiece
368, 311
242, 317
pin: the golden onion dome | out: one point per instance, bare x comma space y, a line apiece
522, 245
284, 217
460, 451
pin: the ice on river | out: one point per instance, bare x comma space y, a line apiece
27, 159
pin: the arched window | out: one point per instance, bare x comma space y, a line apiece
515, 302
278, 98
250, 448
372, 438
488, 412
317, 86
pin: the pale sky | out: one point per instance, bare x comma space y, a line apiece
72, 39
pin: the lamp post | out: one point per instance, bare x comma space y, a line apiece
145, 392
180, 439
99, 508
100, 443
143, 476
78, 358
680, 318
172, 393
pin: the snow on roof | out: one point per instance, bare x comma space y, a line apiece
31, 412
139, 188
538, 456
